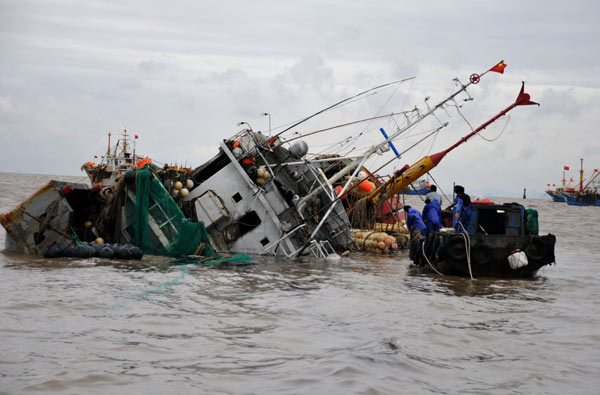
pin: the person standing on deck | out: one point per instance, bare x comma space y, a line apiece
462, 213
414, 220
432, 215
434, 195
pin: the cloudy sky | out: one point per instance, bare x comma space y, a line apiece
182, 74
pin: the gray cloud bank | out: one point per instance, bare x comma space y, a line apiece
182, 74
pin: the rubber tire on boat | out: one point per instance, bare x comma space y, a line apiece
415, 251
432, 244
536, 250
481, 254
455, 248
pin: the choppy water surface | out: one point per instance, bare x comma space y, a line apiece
363, 324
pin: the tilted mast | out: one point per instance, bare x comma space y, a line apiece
357, 164
395, 184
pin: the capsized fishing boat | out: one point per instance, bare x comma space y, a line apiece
495, 235
136, 215
252, 197
56, 213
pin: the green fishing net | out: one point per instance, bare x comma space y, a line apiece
157, 225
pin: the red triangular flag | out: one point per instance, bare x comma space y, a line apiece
566, 167
499, 68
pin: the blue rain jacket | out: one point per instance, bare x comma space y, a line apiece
463, 207
414, 220
432, 216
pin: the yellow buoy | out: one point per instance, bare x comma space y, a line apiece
175, 193
184, 192
87, 224
99, 240
189, 184
178, 185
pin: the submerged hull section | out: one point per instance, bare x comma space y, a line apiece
42, 219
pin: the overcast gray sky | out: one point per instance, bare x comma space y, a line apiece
181, 74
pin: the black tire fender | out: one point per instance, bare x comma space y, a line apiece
536, 250
455, 248
481, 254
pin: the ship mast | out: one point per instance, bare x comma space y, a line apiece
395, 184
108, 150
581, 177
357, 164
125, 141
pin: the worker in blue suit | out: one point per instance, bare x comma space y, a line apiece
432, 215
414, 220
462, 212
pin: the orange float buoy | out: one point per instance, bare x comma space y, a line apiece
366, 186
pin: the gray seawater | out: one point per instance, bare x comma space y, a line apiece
358, 325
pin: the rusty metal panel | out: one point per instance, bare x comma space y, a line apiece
42, 219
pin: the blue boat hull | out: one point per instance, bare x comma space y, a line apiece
577, 201
556, 197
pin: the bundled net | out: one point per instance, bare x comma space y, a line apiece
158, 226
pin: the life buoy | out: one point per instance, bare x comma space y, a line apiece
455, 248
536, 250
481, 254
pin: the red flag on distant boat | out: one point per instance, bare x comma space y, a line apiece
572, 180
136, 136
566, 167
499, 68
553, 185
548, 184
595, 170
95, 156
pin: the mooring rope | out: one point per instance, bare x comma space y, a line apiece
427, 259
467, 239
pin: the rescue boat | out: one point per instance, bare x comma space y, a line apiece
494, 234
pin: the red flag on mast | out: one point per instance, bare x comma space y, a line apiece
499, 68
566, 167
136, 136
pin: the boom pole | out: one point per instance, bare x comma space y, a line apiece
395, 184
